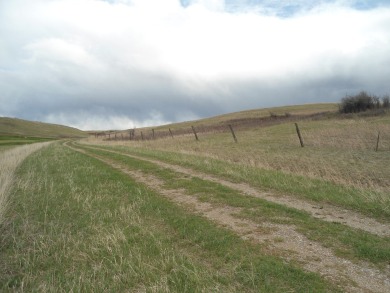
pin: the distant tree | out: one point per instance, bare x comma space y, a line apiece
386, 102
376, 101
358, 103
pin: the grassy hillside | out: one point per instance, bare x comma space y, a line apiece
175, 214
243, 120
276, 112
341, 150
18, 127
327, 191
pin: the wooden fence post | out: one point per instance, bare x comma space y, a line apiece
153, 133
196, 136
299, 134
377, 142
232, 131
142, 135
170, 131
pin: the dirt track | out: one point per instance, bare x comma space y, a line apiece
282, 240
324, 212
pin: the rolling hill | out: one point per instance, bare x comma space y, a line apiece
25, 128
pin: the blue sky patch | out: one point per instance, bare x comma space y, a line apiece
288, 8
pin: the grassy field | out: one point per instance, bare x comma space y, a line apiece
9, 161
338, 164
238, 120
8, 142
213, 215
308, 109
344, 240
19, 129
78, 225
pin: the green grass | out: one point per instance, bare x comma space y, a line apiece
75, 224
345, 241
374, 203
10, 141
22, 128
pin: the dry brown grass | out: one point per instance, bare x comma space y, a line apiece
341, 151
352, 134
9, 161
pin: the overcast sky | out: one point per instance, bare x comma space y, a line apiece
117, 64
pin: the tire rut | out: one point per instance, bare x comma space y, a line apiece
323, 211
282, 240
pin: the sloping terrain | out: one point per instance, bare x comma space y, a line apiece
238, 120
324, 205
263, 113
177, 214
24, 128
285, 232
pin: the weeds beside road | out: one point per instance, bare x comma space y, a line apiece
9, 161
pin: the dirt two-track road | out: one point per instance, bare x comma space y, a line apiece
357, 276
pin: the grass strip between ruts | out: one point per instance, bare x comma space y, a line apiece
345, 241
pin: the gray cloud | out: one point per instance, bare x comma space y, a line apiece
120, 64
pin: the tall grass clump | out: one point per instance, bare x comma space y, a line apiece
9, 161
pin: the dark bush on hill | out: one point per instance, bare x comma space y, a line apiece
363, 102
386, 101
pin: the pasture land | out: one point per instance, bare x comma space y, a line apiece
338, 165
9, 162
334, 191
79, 224
8, 142
24, 128
254, 115
181, 215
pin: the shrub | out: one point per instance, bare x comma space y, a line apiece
386, 102
273, 115
362, 102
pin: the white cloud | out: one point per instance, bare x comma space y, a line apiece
213, 5
139, 57
103, 122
